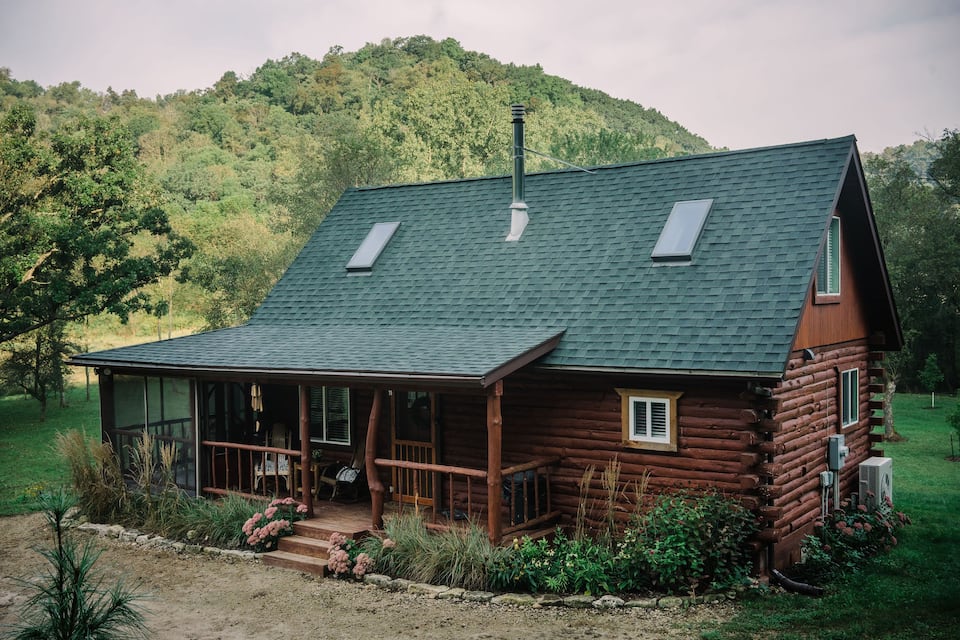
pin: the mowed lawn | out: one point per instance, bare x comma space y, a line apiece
911, 593
28, 461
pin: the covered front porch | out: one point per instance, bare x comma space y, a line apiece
414, 416
396, 455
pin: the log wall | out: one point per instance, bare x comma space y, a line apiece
578, 418
766, 446
809, 399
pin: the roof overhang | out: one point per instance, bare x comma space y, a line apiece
438, 356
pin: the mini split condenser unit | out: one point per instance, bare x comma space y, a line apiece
876, 481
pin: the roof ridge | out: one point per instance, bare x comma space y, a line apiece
710, 154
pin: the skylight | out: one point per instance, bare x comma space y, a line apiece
371, 247
682, 230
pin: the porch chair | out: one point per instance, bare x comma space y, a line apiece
347, 478
274, 465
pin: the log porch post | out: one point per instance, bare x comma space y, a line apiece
494, 462
306, 478
370, 453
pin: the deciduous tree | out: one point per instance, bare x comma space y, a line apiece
79, 231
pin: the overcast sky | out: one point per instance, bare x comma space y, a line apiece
741, 73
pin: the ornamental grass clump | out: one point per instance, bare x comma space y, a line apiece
458, 557
263, 530
95, 476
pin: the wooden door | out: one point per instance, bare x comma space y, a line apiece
414, 436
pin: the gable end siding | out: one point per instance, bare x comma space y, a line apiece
828, 323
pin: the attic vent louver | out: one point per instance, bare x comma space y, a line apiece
518, 208
370, 249
682, 230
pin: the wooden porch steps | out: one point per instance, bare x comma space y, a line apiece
308, 549
287, 560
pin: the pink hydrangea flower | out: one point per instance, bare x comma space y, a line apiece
363, 564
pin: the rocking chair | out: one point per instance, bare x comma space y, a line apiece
349, 478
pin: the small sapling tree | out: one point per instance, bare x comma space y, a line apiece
930, 377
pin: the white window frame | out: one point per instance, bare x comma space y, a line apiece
629, 399
829, 266
324, 439
849, 397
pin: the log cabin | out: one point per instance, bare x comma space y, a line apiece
472, 346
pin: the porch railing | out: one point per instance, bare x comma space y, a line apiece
461, 492
527, 490
235, 468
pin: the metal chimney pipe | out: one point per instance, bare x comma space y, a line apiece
518, 154
518, 208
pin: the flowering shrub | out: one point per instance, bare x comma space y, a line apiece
263, 530
847, 537
345, 558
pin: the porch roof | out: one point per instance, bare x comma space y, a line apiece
444, 355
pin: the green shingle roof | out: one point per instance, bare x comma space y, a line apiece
583, 265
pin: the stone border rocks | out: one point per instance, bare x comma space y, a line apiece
147, 541
537, 601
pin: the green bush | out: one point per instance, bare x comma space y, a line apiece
213, 522
686, 543
559, 565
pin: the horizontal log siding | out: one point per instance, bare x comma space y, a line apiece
810, 412
579, 419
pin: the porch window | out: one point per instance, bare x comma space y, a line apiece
649, 419
828, 269
849, 397
162, 407
330, 415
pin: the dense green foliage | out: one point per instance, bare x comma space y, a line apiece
850, 535
247, 168
80, 230
685, 543
915, 198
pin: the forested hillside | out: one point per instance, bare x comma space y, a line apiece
247, 168
213, 192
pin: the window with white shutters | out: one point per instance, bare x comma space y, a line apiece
650, 419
